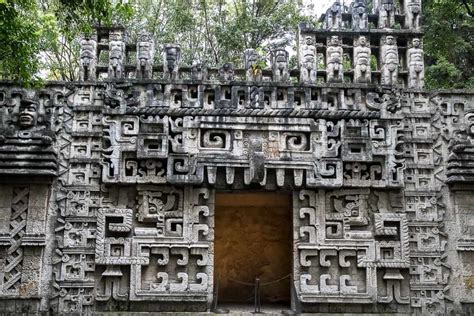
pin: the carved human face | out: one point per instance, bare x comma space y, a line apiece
87, 51
416, 42
172, 55
309, 49
334, 40
280, 56
390, 40
362, 41
116, 50
144, 50
28, 114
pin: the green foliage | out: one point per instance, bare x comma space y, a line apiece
449, 43
85, 14
215, 31
19, 34
373, 63
40, 37
443, 74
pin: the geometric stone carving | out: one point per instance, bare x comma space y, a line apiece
107, 186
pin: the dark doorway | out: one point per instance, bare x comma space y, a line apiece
253, 234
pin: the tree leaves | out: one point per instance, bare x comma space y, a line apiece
39, 37
19, 35
449, 43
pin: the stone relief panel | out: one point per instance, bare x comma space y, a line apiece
22, 239
29, 121
159, 249
351, 246
124, 165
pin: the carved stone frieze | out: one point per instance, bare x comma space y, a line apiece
107, 185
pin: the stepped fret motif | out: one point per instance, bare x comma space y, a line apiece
108, 185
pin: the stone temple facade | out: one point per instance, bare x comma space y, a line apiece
107, 185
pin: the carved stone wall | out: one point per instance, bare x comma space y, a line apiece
107, 185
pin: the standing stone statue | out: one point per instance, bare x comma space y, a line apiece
390, 61
116, 54
307, 59
362, 53
334, 16
360, 18
226, 72
334, 55
412, 14
145, 56
88, 59
171, 61
416, 66
280, 65
386, 14
198, 70
253, 71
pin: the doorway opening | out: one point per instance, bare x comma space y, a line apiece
253, 239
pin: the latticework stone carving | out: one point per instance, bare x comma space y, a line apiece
107, 185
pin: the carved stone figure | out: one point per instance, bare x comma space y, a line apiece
28, 113
145, 56
88, 59
116, 54
334, 56
360, 20
386, 14
413, 14
416, 65
171, 61
108, 189
280, 65
390, 60
333, 19
362, 53
307, 58
226, 72
253, 71
198, 71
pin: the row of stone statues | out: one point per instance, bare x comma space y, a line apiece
389, 61
362, 53
385, 10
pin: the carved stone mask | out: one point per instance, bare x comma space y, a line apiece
171, 55
28, 116
280, 56
144, 50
